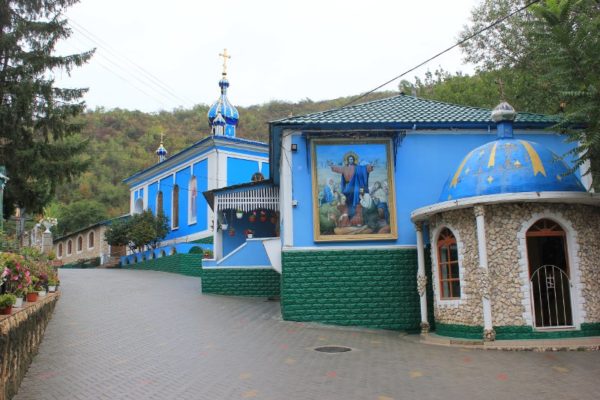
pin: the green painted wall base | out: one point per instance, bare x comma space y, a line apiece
515, 332
527, 332
184, 264
369, 288
459, 331
255, 282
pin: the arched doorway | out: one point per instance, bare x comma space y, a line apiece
549, 275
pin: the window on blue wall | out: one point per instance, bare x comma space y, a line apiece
175, 213
193, 196
159, 203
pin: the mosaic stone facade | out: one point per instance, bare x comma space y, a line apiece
467, 310
508, 276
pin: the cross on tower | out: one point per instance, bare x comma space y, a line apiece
161, 137
225, 57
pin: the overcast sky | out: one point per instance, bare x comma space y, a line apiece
157, 55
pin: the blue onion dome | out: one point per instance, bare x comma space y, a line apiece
161, 152
225, 109
509, 165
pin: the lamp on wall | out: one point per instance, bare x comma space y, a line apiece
294, 147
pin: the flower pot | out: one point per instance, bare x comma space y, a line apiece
231, 233
252, 218
263, 218
42, 293
273, 220
6, 310
249, 236
224, 226
239, 214
31, 297
52, 289
18, 303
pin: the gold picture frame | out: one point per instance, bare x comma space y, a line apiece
353, 190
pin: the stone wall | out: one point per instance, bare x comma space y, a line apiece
100, 247
20, 336
255, 282
184, 264
468, 310
370, 288
507, 224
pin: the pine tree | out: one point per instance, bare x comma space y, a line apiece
39, 141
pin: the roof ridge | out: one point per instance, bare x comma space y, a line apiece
338, 108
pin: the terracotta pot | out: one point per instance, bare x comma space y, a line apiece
6, 310
263, 218
273, 220
232, 233
32, 297
252, 218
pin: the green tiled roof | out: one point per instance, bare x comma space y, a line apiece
411, 110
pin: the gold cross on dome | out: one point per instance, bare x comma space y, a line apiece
225, 57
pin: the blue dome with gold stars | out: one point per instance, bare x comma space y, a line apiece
509, 165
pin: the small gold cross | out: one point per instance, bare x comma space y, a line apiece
225, 57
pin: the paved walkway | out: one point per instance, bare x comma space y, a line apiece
122, 334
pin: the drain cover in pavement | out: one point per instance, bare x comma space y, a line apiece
333, 349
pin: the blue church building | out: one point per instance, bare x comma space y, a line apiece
411, 214
174, 185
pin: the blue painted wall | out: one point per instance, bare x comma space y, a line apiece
201, 173
152, 193
261, 229
424, 163
241, 171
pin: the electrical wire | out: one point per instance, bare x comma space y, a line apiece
498, 21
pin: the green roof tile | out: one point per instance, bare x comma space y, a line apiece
409, 109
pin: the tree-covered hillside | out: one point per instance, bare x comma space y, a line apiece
121, 142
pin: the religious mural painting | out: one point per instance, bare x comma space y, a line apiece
353, 190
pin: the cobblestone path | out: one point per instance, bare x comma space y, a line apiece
122, 334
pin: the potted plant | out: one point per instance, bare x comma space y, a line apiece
20, 295
32, 294
263, 216
231, 232
252, 217
52, 284
224, 223
249, 233
239, 213
273, 218
6, 303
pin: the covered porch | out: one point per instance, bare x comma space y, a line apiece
246, 226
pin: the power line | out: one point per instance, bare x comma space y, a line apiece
438, 54
150, 80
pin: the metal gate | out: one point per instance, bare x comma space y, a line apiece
551, 295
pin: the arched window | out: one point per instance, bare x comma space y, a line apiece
449, 277
69, 247
139, 206
159, 203
91, 240
192, 201
175, 214
60, 250
79, 243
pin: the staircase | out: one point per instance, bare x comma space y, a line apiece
113, 262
